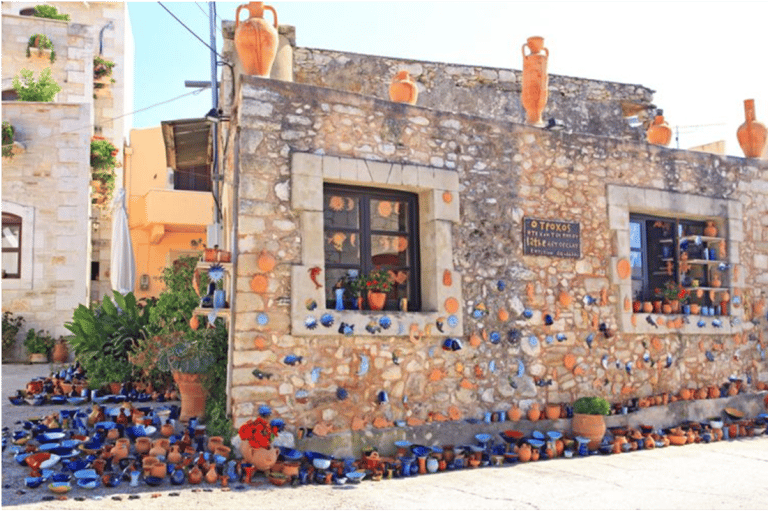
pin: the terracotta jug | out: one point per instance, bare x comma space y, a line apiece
659, 132
535, 80
553, 411
534, 413
403, 89
262, 458
60, 352
213, 442
195, 476
167, 429
524, 453
256, 40
174, 455
211, 476
159, 447
143, 445
751, 134
514, 413
710, 229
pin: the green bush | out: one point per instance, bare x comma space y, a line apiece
592, 405
49, 11
39, 342
102, 67
8, 133
41, 41
176, 303
11, 327
28, 89
215, 381
104, 335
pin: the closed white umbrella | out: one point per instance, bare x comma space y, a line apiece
122, 264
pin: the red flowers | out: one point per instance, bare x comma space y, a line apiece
258, 433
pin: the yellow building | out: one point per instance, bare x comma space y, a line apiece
169, 206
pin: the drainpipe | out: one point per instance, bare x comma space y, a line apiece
233, 237
101, 35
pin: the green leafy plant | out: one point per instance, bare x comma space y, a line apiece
104, 335
592, 405
357, 286
185, 353
378, 280
49, 11
43, 42
102, 68
27, 88
673, 291
39, 342
215, 381
8, 133
175, 305
11, 326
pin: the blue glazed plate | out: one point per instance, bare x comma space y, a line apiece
85, 474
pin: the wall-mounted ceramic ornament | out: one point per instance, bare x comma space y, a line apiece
520, 368
447, 278
311, 304
440, 323
385, 322
564, 298
453, 321
495, 337
292, 360
501, 285
262, 319
327, 320
266, 262
623, 268
364, 365
451, 305
447, 197
310, 323
503, 315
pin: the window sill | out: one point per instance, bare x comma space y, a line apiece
638, 323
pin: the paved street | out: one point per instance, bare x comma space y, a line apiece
725, 475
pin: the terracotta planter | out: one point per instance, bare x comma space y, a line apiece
403, 89
256, 40
193, 395
534, 413
648, 307
666, 309
535, 80
710, 229
514, 413
524, 453
751, 134
659, 132
695, 309
60, 352
552, 411
376, 300
591, 426
261, 458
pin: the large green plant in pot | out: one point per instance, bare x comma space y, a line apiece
104, 335
588, 419
188, 358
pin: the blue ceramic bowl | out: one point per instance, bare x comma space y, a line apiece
321, 462
70, 443
483, 438
403, 444
65, 451
536, 443
291, 454
85, 474
33, 482
537, 435
60, 477
47, 446
419, 451
88, 483
153, 480
17, 400
58, 400
21, 458
554, 435
48, 437
75, 465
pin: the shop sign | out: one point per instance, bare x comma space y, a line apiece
551, 238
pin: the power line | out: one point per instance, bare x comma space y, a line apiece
218, 27
198, 91
190, 30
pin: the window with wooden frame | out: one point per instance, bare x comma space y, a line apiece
197, 177
674, 251
368, 229
11, 246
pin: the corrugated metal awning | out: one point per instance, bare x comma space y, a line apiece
187, 142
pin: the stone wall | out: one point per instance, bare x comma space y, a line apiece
506, 172
585, 106
47, 185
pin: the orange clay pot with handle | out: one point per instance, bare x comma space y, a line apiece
751, 134
256, 40
403, 89
535, 79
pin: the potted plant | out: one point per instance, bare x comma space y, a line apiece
103, 163
43, 89
43, 45
102, 71
588, 421
50, 12
257, 446
673, 295
38, 344
8, 145
356, 286
188, 359
379, 283
11, 327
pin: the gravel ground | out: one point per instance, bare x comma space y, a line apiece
725, 475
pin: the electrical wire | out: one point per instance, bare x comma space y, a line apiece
190, 30
218, 26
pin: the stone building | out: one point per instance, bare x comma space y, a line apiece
520, 250
46, 198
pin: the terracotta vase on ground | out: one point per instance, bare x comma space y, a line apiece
751, 134
524, 453
591, 426
193, 395
261, 458
256, 40
60, 352
535, 80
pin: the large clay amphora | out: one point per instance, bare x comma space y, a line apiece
751, 134
659, 132
535, 79
256, 40
403, 89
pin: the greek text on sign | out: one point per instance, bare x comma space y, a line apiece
551, 238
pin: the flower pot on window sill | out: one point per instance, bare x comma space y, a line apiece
376, 300
40, 55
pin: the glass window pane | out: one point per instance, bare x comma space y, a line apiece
389, 215
10, 237
342, 248
341, 211
334, 278
10, 263
389, 251
635, 240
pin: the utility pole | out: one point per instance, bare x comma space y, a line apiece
214, 126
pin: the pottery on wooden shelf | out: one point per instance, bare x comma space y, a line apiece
710, 229
403, 89
256, 40
659, 132
751, 134
535, 79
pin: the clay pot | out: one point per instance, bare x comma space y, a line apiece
524, 453
222, 450
514, 413
143, 445
591, 426
376, 300
715, 281
261, 458
60, 352
195, 476
553, 411
666, 309
119, 452
159, 469
534, 413
167, 429
256, 40
733, 389
710, 229
659, 132
291, 469
174, 455
159, 447
403, 89
713, 392
751, 134
535, 80
686, 394
211, 476
193, 395
647, 307
213, 442
657, 306
695, 309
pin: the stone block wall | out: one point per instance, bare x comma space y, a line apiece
47, 186
505, 172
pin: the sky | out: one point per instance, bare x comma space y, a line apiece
702, 58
